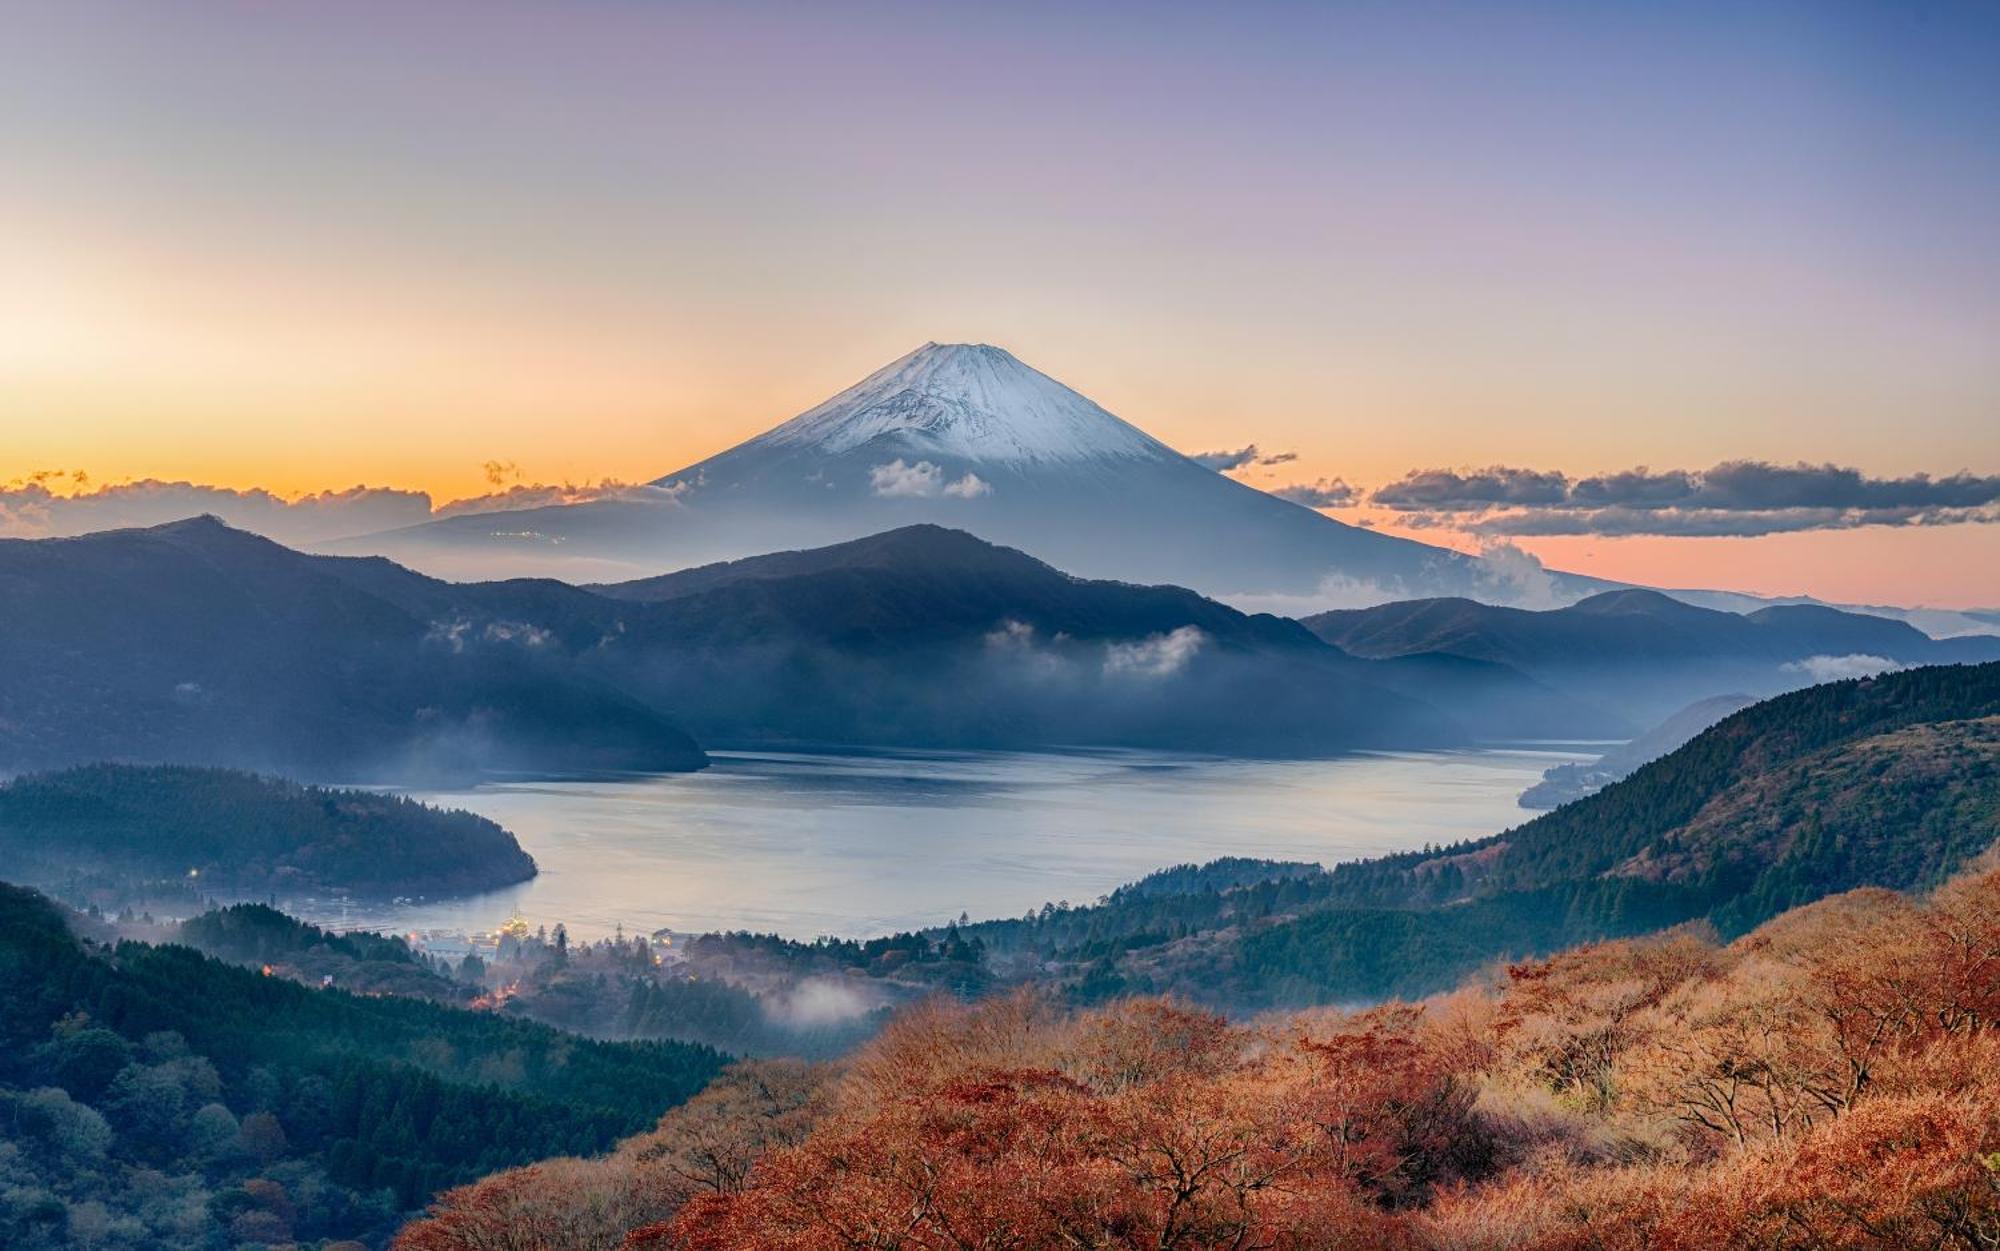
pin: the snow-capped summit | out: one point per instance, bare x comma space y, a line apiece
965, 401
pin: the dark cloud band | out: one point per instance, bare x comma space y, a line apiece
1740, 497
29, 508
1224, 461
1326, 493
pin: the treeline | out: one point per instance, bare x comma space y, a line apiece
351, 1108
241, 831
946, 958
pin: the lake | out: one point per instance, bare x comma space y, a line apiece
852, 844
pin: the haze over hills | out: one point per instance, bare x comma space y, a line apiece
925, 634
195, 643
967, 436
1645, 654
1565, 782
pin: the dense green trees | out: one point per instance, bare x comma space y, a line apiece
239, 831
265, 1103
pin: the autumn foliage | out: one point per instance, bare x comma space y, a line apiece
1829, 1082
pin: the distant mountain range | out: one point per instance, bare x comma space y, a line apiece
929, 635
966, 436
196, 643
1645, 654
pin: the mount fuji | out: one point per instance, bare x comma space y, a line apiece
967, 436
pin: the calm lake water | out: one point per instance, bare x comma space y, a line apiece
868, 843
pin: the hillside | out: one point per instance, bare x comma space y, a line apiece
1011, 647
1642, 653
193, 643
1565, 782
192, 1103
930, 585
1829, 1081
125, 825
1889, 781
930, 636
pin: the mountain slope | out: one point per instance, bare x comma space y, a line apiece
1566, 782
193, 643
962, 435
196, 1099
939, 583
926, 636
1643, 653
198, 644
1029, 645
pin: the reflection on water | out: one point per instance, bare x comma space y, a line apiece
869, 842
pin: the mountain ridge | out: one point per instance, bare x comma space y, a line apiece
1643, 653
149, 647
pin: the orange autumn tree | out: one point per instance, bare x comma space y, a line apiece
1149, 1125
1829, 1082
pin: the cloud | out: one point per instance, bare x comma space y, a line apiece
923, 480
818, 1001
1735, 498
526, 633
1325, 493
970, 487
29, 509
1156, 656
1332, 591
526, 495
1223, 462
1471, 490
1826, 668
1510, 575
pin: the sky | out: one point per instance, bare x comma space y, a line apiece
303, 246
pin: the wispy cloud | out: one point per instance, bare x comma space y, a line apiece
1325, 493
1156, 656
1741, 497
527, 495
1836, 668
923, 480
1241, 458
